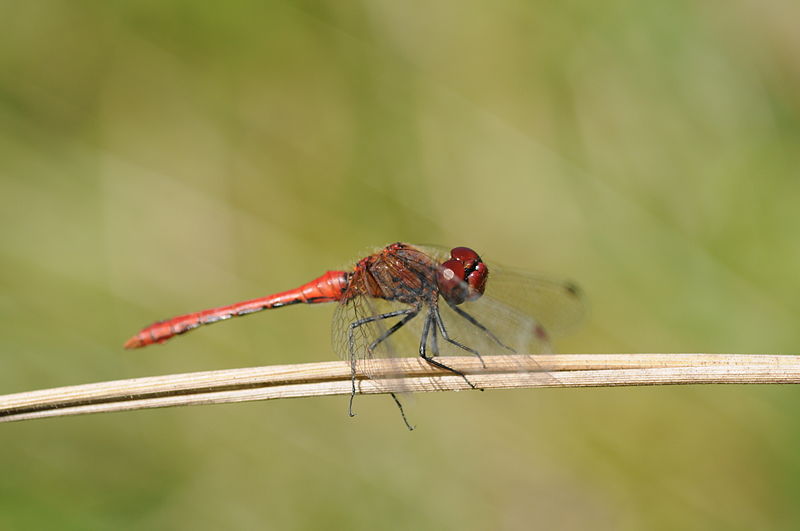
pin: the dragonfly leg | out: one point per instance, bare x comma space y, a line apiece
438, 318
402, 413
351, 339
475, 322
434, 342
423, 353
409, 314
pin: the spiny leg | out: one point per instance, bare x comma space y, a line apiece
438, 318
475, 322
424, 354
434, 342
410, 314
402, 413
352, 343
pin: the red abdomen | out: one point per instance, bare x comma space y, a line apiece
327, 288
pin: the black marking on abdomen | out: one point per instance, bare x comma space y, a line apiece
282, 304
188, 327
249, 311
214, 318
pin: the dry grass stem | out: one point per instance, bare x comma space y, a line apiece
409, 374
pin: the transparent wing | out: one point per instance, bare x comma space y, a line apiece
490, 328
557, 306
362, 332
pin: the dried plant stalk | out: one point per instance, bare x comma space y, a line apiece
409, 374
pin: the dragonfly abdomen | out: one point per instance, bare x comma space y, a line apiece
329, 287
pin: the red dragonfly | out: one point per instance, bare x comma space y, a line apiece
381, 297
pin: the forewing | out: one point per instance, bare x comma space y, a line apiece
558, 306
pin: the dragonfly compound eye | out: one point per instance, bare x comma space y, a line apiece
465, 255
475, 271
450, 278
476, 280
459, 282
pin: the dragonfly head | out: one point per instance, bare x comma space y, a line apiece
463, 277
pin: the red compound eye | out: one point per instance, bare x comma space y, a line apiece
465, 255
450, 278
463, 277
477, 281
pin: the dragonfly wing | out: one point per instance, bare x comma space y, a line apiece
557, 305
367, 333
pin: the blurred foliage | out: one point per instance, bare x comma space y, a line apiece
158, 158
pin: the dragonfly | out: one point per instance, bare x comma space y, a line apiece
407, 297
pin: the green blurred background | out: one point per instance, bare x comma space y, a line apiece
158, 158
